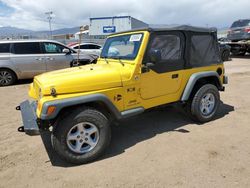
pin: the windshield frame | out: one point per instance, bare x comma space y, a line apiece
108, 45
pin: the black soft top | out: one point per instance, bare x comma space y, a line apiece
181, 28
201, 46
153, 28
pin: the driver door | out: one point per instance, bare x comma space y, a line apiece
163, 77
55, 58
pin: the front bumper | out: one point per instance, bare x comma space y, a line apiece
28, 111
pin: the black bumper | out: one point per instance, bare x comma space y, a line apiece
28, 111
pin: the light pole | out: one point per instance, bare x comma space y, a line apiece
49, 14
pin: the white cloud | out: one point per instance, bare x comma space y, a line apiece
29, 14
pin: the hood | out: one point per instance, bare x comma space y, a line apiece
79, 79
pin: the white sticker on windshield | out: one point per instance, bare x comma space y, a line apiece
135, 38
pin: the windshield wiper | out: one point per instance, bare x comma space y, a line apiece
119, 58
105, 58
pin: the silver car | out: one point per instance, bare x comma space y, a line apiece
26, 59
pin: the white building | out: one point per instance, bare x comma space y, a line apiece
102, 26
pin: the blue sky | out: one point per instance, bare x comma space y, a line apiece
5, 10
30, 14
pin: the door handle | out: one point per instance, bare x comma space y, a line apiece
50, 58
175, 76
39, 59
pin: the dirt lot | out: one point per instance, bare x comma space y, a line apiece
161, 148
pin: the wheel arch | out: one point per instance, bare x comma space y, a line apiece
98, 101
198, 79
10, 69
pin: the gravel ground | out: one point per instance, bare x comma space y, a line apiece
161, 148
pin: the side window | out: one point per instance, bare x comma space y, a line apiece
92, 46
169, 45
84, 47
53, 48
5, 48
27, 48
97, 47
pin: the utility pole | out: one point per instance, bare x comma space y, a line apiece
80, 41
49, 14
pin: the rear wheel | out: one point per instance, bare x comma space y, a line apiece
82, 136
204, 104
7, 77
225, 55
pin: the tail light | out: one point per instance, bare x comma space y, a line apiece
247, 30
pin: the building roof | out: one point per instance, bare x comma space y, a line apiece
109, 17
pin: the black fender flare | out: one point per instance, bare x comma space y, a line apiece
63, 103
194, 78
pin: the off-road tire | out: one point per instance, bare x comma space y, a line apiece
193, 105
225, 55
64, 125
11, 75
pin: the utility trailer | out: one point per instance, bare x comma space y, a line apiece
239, 47
239, 37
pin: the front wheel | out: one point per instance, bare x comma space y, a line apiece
204, 104
82, 136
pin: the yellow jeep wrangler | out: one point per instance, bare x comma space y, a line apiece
137, 70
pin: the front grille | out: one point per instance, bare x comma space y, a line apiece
36, 88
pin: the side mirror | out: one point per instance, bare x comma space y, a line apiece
154, 56
66, 51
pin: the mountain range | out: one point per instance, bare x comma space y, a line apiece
14, 31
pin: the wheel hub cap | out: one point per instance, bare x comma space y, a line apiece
207, 104
83, 137
5, 77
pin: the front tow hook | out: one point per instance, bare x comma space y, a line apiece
21, 129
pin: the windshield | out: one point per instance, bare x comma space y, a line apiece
241, 23
122, 47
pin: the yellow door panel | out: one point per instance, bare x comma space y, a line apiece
156, 85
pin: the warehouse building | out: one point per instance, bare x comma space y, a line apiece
100, 27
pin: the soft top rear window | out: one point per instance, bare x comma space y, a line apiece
241, 23
203, 51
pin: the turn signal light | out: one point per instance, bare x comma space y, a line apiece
51, 110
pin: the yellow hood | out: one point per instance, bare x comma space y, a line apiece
79, 79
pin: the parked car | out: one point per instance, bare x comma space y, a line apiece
224, 51
26, 59
136, 71
240, 30
88, 48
